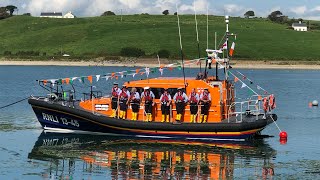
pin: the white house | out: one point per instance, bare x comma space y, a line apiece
51, 14
300, 26
69, 15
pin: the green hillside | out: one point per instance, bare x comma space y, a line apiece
105, 36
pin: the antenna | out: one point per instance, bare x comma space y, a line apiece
195, 18
207, 26
227, 40
181, 51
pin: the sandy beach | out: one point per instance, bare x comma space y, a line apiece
241, 64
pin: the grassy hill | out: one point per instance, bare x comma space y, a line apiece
106, 36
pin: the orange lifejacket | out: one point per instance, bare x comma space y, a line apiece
272, 101
265, 104
205, 96
147, 96
179, 97
114, 92
165, 98
193, 98
123, 95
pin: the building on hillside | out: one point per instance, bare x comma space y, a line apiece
69, 15
51, 14
300, 26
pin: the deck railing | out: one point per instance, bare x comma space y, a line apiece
251, 106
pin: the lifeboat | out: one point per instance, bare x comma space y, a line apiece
226, 118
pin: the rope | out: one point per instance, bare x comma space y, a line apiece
275, 123
14, 103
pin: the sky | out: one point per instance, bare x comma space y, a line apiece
305, 9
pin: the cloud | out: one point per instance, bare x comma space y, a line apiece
299, 10
317, 8
233, 9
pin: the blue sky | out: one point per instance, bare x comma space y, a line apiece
306, 9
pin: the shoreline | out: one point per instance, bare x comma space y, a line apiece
238, 64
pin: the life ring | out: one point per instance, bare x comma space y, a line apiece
265, 104
272, 101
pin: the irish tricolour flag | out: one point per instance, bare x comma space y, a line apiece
232, 49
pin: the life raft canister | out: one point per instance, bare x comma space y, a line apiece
272, 101
265, 104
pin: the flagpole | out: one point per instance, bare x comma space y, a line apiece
181, 51
195, 18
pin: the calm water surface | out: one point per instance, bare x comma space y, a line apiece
27, 153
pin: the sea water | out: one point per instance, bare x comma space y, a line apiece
27, 153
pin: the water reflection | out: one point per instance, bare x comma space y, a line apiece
89, 156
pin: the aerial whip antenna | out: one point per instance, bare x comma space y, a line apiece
181, 51
205, 69
195, 18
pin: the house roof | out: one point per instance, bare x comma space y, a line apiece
51, 14
299, 24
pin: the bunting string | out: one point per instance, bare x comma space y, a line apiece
122, 74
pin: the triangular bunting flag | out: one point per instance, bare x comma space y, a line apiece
133, 74
52, 81
170, 68
90, 79
147, 71
60, 81
67, 80
98, 77
82, 79
220, 66
258, 87
121, 73
44, 82
161, 71
198, 61
71, 81
116, 77
107, 77
236, 79
112, 74
243, 85
137, 71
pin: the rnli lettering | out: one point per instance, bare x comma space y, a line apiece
62, 120
56, 141
50, 117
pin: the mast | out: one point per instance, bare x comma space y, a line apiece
181, 51
227, 40
195, 19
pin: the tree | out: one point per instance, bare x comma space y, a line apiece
165, 12
248, 14
3, 13
11, 9
26, 14
275, 15
108, 13
175, 13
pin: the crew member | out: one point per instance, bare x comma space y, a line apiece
205, 100
134, 100
180, 98
114, 99
148, 97
123, 102
193, 100
165, 100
